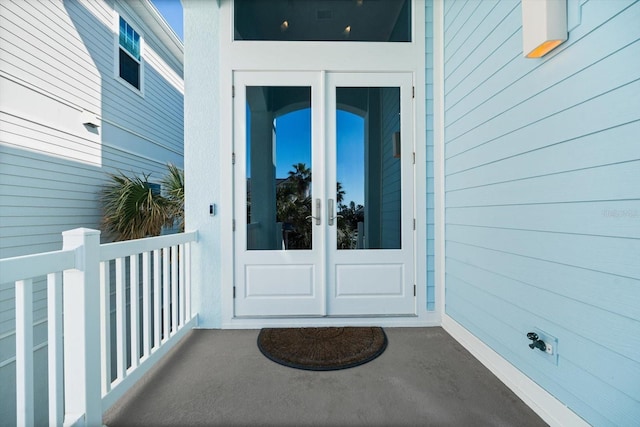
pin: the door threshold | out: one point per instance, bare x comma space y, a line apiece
430, 319
335, 316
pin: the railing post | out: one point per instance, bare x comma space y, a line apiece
24, 352
82, 329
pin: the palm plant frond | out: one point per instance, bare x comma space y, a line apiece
301, 177
132, 209
340, 193
173, 185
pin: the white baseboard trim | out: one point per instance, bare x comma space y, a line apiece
550, 409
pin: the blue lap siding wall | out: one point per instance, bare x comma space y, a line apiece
542, 190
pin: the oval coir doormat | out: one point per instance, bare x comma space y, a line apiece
322, 349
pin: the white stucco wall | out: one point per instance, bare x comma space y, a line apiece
202, 155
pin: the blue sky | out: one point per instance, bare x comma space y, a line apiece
350, 156
171, 10
293, 145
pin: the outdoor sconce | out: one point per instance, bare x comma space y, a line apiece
544, 26
90, 119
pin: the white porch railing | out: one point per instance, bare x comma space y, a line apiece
80, 279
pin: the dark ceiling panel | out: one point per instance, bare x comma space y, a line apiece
323, 20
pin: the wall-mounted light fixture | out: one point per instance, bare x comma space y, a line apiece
90, 119
544, 26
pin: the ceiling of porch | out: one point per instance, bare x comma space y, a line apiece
322, 20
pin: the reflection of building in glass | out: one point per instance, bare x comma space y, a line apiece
277, 206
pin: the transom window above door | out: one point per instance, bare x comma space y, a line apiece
323, 20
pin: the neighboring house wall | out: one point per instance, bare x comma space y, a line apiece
543, 197
57, 58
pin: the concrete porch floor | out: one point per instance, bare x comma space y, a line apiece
219, 377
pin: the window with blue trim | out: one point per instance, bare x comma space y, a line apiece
129, 58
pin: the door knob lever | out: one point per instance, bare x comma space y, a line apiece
318, 213
332, 217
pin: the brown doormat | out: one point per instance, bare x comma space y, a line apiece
322, 349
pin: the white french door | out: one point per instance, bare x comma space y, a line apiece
324, 190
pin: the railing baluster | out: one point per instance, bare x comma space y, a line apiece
165, 292
146, 304
54, 344
181, 316
121, 320
80, 341
105, 325
174, 289
187, 280
157, 295
24, 352
134, 307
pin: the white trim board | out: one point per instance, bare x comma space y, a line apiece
550, 409
429, 320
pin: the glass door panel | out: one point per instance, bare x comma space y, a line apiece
368, 173
278, 170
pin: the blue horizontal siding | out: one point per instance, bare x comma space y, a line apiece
431, 291
601, 218
519, 79
542, 195
559, 381
594, 332
555, 277
618, 256
610, 182
593, 153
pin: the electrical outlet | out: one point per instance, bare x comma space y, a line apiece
550, 353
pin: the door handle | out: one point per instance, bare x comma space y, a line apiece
318, 212
331, 216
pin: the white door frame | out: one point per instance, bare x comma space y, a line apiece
324, 281
359, 57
